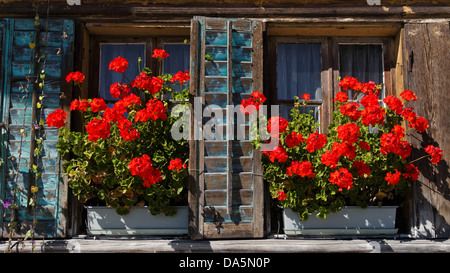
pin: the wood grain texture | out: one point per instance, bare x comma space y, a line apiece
427, 65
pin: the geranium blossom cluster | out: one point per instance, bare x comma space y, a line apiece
143, 167
255, 101
127, 115
349, 155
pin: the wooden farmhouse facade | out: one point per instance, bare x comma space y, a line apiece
406, 43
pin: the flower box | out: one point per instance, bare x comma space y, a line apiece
106, 221
348, 221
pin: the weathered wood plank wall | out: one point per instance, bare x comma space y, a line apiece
427, 74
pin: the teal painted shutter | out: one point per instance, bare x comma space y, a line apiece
226, 190
23, 64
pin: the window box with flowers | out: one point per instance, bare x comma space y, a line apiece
321, 174
125, 159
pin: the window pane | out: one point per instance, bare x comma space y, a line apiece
178, 58
363, 62
178, 61
299, 71
108, 52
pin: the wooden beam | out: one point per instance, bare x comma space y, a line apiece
181, 9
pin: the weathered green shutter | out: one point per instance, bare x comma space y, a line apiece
28, 50
226, 190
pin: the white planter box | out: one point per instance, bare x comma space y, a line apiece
105, 221
348, 221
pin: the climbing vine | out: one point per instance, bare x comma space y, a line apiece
33, 88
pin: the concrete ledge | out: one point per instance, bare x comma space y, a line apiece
180, 245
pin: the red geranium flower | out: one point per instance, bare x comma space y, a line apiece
130, 134
281, 195
76, 76
420, 124
370, 100
119, 64
348, 132
361, 166
315, 141
256, 100
330, 158
391, 143
394, 103
155, 109
113, 114
181, 77
126, 131
142, 166
293, 139
119, 90
369, 88
411, 171
56, 118
373, 115
160, 54
98, 128
350, 83
278, 153
305, 96
176, 165
408, 95
98, 104
80, 105
345, 148
131, 100
149, 83
342, 178
364, 145
435, 152
279, 122
409, 115
304, 169
341, 97
258, 96
393, 178
351, 110
398, 130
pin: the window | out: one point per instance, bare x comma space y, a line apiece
108, 52
298, 73
302, 65
108, 48
362, 61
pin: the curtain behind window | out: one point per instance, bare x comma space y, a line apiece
299, 71
364, 62
108, 52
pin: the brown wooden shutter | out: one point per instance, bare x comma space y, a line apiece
226, 184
